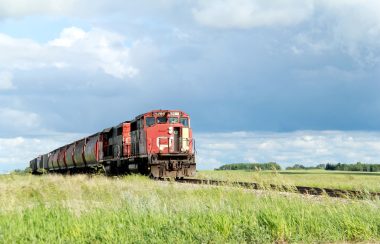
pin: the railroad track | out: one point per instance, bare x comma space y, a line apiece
283, 188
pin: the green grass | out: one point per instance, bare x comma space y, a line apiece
318, 178
134, 209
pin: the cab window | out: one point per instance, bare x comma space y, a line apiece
185, 122
162, 120
119, 131
149, 121
173, 120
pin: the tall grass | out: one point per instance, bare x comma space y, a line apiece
135, 209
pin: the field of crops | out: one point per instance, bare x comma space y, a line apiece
317, 178
135, 209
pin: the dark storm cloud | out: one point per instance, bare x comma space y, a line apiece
256, 83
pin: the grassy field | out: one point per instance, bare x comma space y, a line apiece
319, 178
134, 209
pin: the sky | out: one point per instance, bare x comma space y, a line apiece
291, 81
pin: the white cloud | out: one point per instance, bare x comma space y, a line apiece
251, 13
81, 8
73, 49
6, 81
181, 34
18, 120
352, 16
306, 147
68, 37
18, 8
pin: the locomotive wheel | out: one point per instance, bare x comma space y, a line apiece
105, 170
143, 168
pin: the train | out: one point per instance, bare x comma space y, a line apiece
158, 143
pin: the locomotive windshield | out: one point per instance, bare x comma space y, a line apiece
185, 122
162, 120
173, 120
150, 121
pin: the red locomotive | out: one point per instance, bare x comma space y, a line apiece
158, 143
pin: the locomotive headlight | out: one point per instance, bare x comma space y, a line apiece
170, 130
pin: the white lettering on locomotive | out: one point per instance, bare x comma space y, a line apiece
163, 145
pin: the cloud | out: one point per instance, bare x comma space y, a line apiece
80, 8
69, 37
243, 14
18, 121
351, 26
74, 49
6, 81
319, 26
18, 8
354, 28
305, 147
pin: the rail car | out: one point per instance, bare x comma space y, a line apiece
158, 143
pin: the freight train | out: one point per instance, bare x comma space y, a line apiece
158, 143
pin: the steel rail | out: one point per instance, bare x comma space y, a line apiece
284, 188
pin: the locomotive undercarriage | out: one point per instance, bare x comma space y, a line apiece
172, 166
156, 166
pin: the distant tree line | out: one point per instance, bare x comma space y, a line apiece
21, 171
354, 167
300, 166
275, 166
341, 167
251, 166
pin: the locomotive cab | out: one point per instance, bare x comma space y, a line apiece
165, 137
168, 133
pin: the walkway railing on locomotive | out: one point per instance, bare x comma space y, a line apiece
168, 145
